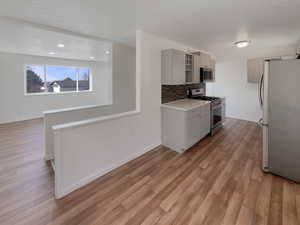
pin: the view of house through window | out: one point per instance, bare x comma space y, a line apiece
57, 79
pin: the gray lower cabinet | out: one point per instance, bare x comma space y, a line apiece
182, 129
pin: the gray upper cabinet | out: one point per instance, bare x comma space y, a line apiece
255, 68
205, 60
189, 68
173, 67
179, 67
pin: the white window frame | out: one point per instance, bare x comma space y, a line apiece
59, 93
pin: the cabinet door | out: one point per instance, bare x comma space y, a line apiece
255, 68
193, 126
178, 66
205, 125
189, 69
166, 67
173, 67
196, 70
204, 60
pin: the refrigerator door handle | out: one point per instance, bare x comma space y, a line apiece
261, 84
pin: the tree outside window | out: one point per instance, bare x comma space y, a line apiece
57, 79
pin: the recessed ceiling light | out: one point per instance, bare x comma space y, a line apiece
51, 53
242, 44
107, 52
61, 45
92, 57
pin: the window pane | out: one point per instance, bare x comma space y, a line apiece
83, 79
61, 79
35, 79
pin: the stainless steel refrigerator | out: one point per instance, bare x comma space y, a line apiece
280, 99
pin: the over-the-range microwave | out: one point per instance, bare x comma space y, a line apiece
206, 74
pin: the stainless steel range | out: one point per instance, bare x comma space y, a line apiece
217, 108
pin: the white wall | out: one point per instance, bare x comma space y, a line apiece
85, 150
124, 67
16, 106
231, 80
241, 96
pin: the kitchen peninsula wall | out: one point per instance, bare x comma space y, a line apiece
171, 93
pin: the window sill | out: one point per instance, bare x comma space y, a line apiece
73, 109
60, 93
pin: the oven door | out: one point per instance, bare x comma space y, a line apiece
216, 116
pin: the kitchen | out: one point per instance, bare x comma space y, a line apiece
149, 143
188, 115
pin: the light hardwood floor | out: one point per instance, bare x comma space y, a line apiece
219, 181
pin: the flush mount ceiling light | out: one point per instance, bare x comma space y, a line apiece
61, 45
92, 57
242, 44
107, 52
51, 53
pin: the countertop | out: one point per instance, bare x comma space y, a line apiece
185, 104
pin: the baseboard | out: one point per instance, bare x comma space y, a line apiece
237, 118
89, 179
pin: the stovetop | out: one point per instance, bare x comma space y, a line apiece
214, 100
206, 98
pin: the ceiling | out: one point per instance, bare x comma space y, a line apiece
272, 25
30, 39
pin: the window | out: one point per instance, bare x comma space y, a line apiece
57, 79
83, 79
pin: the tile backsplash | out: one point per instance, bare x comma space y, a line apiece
171, 93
